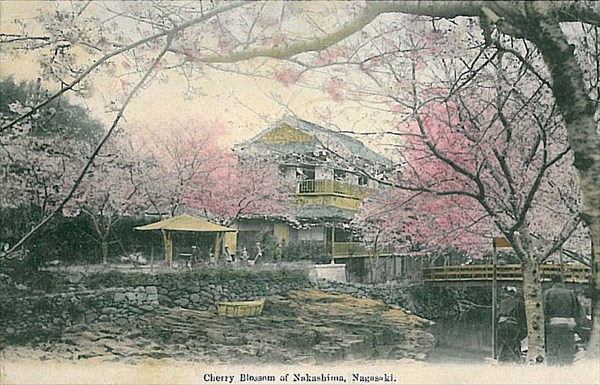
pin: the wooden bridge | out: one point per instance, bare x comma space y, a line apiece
483, 275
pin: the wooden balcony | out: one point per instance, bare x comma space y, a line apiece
324, 192
504, 273
356, 250
326, 186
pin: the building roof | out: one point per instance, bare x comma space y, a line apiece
317, 213
186, 223
312, 137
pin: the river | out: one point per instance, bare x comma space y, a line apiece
468, 340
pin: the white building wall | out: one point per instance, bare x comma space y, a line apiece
312, 234
323, 173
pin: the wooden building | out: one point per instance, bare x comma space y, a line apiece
327, 175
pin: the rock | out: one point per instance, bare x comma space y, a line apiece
155, 304
147, 308
90, 317
164, 299
121, 321
195, 298
180, 336
163, 291
141, 296
104, 318
176, 294
5, 279
120, 297
182, 301
58, 321
10, 330
109, 310
151, 290
152, 297
74, 277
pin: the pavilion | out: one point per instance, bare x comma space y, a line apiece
187, 223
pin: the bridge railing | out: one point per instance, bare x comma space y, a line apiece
571, 273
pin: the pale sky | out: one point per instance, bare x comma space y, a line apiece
167, 102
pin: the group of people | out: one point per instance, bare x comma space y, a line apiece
564, 319
228, 258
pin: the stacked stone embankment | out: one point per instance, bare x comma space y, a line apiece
28, 315
430, 303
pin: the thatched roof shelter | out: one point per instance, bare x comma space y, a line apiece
190, 224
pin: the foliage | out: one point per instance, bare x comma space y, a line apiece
111, 191
60, 117
240, 187
38, 158
313, 251
479, 161
179, 162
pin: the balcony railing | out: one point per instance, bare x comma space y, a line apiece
327, 186
356, 249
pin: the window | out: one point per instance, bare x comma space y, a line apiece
339, 175
363, 180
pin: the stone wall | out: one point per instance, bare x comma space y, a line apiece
121, 297
428, 302
27, 315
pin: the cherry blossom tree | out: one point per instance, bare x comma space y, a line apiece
241, 186
186, 165
179, 159
491, 155
36, 156
111, 191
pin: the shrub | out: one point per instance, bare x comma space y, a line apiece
307, 251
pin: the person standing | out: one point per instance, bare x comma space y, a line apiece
563, 315
195, 258
512, 326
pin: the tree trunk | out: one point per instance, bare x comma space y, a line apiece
534, 310
105, 250
578, 110
593, 348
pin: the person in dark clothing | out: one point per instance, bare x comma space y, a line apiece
563, 315
512, 327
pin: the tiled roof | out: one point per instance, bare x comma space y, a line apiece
324, 139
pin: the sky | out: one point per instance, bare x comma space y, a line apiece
244, 104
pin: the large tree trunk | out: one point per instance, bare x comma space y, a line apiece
593, 348
534, 310
578, 111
